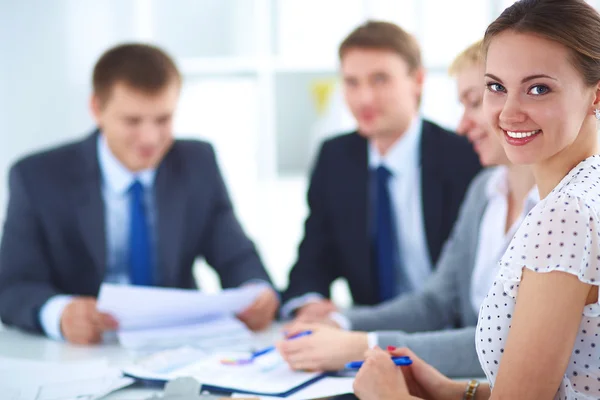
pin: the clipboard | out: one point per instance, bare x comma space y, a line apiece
268, 375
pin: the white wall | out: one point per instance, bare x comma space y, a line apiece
48, 48
264, 53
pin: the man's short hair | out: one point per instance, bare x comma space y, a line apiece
140, 66
380, 35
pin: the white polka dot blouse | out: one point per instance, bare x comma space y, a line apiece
562, 233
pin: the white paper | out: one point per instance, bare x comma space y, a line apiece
139, 307
268, 374
90, 389
211, 334
38, 380
18, 393
323, 388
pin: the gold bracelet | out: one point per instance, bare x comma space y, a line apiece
471, 389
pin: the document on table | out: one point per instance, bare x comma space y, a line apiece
36, 380
323, 388
153, 318
265, 375
139, 307
224, 332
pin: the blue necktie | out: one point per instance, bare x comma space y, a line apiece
140, 265
390, 273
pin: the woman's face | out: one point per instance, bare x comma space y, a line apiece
535, 101
473, 123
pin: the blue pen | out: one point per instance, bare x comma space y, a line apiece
397, 360
271, 348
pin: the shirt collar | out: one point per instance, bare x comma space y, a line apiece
533, 197
498, 186
403, 154
115, 175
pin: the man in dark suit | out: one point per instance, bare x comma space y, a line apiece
383, 199
127, 204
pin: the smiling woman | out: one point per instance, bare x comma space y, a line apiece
542, 95
468, 69
545, 107
541, 100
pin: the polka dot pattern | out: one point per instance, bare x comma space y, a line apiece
562, 233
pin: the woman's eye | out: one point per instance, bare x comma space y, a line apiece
495, 87
539, 90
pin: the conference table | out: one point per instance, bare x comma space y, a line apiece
19, 344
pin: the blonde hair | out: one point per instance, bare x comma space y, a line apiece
470, 56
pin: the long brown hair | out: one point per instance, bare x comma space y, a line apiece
572, 23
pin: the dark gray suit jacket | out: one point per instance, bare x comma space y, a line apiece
337, 235
420, 320
54, 234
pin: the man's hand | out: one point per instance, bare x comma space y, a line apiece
326, 349
262, 312
82, 323
315, 311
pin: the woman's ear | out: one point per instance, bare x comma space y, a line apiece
596, 104
597, 97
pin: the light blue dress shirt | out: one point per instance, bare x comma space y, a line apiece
403, 159
116, 180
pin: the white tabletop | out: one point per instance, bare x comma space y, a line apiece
18, 344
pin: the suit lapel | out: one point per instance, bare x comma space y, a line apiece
170, 208
431, 191
89, 205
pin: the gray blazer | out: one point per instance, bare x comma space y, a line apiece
438, 323
54, 237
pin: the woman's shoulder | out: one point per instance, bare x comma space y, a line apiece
578, 192
582, 182
562, 231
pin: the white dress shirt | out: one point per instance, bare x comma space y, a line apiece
403, 161
492, 237
116, 180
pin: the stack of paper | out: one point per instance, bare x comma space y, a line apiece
156, 318
37, 380
210, 334
268, 374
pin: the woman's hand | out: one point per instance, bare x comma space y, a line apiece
424, 381
380, 379
326, 349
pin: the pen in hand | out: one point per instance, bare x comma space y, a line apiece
271, 348
256, 354
400, 361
